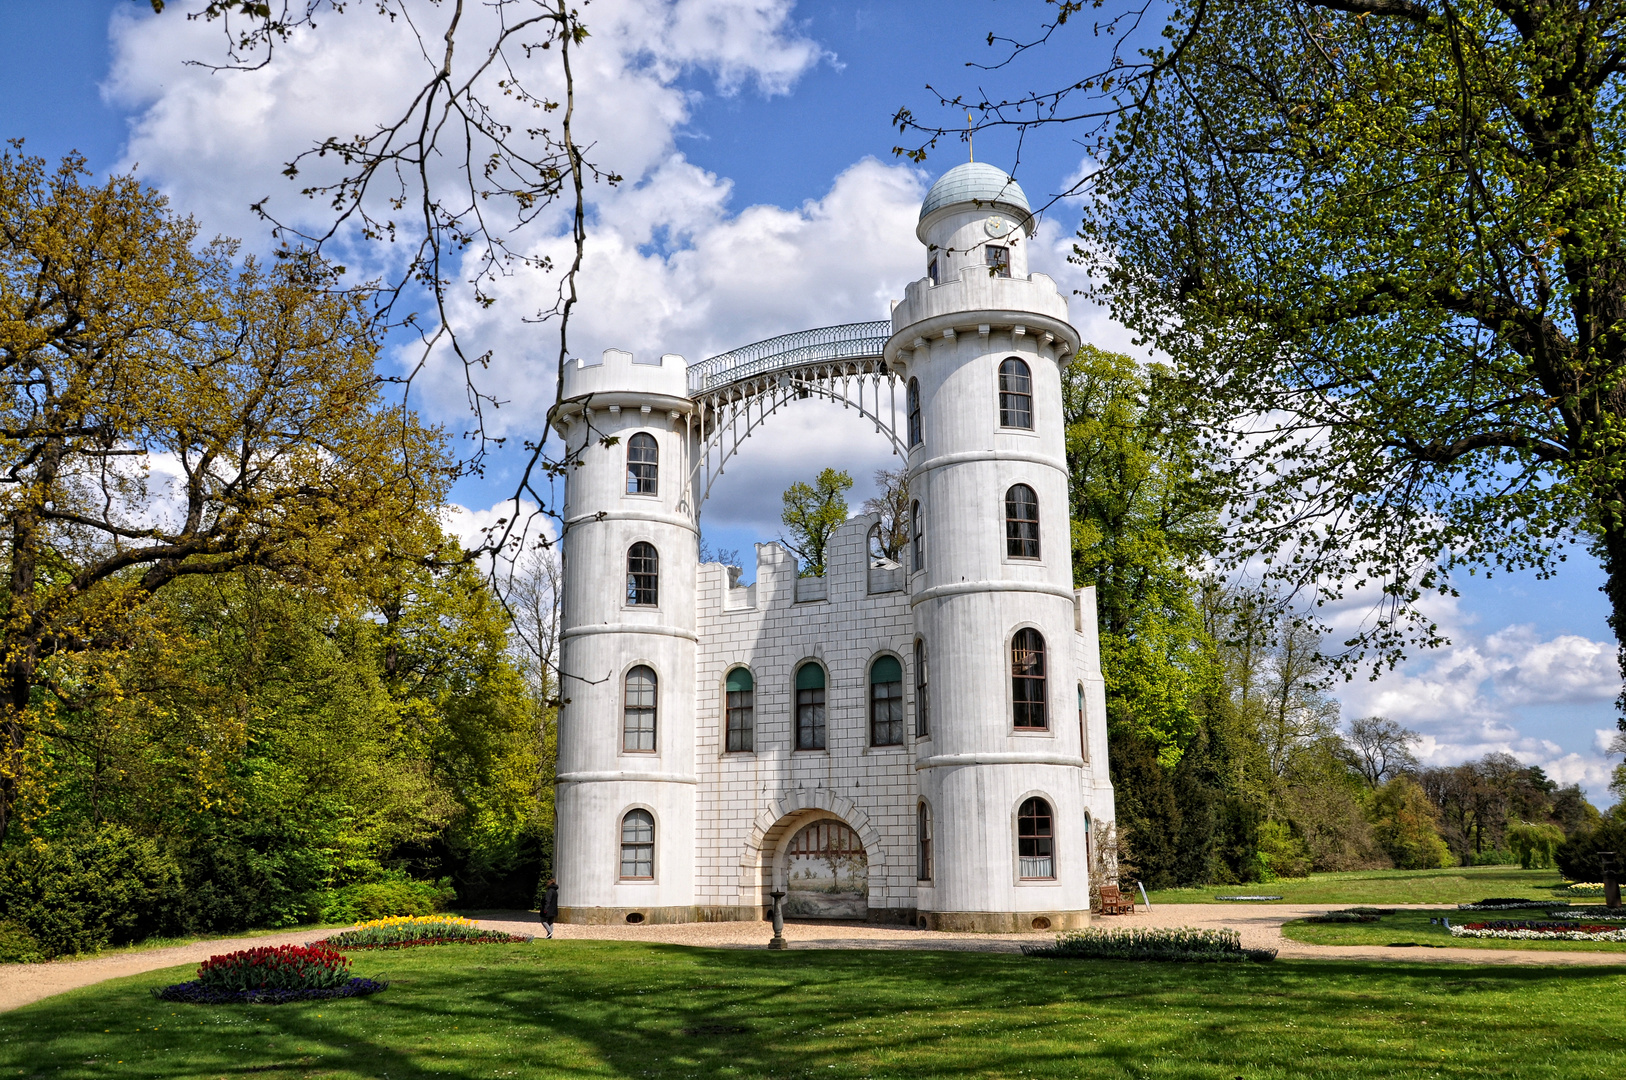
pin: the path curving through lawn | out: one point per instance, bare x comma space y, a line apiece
1260, 926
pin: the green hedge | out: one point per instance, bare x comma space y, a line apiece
81, 893
1178, 943
397, 894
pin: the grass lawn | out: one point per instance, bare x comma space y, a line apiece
621, 1009
1458, 885
1413, 926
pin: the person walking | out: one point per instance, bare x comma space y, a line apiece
550, 906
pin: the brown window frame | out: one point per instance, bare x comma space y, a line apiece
1036, 839
1015, 394
1021, 529
1028, 681
643, 575
638, 846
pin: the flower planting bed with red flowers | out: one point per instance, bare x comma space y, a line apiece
272, 976
407, 931
1539, 931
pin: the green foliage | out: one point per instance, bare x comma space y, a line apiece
82, 892
1281, 854
1157, 943
812, 512
1404, 824
1578, 857
396, 894
17, 945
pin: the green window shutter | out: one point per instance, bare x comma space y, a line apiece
739, 680
810, 677
886, 669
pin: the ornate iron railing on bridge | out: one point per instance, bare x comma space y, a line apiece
850, 341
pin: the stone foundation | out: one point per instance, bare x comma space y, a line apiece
1002, 922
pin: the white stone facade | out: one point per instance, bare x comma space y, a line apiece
660, 819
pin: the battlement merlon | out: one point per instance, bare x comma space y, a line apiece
979, 303
619, 379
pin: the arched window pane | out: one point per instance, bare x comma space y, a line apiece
643, 457
923, 726
637, 846
923, 841
643, 574
914, 412
1035, 840
810, 707
1083, 729
1021, 523
740, 706
638, 716
1015, 394
886, 702
1027, 678
917, 538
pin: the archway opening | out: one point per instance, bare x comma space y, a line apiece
826, 873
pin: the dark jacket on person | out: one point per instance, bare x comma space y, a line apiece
550, 903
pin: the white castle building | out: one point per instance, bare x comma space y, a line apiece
920, 743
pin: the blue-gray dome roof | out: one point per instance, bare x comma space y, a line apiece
975, 181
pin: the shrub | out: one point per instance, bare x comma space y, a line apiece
1150, 944
239, 880
1351, 915
401, 933
397, 894
1578, 856
17, 945
1281, 854
84, 892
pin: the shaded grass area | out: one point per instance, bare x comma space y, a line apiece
1458, 885
1413, 926
620, 1009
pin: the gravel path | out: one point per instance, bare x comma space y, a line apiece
1259, 924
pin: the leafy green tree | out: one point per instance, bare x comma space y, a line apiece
812, 512
1404, 823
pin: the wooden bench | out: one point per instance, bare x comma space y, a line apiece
1113, 902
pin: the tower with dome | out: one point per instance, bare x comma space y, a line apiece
920, 741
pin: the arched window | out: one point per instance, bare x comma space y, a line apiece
914, 412
740, 705
923, 842
1089, 852
1015, 394
1021, 522
810, 707
886, 702
643, 465
923, 723
917, 538
1035, 841
638, 846
1027, 679
643, 574
1083, 730
638, 715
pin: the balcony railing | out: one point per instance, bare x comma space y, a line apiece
850, 341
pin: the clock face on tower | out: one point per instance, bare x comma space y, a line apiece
996, 226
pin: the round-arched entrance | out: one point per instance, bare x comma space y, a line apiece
826, 872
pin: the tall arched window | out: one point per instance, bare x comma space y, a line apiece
638, 714
923, 722
740, 705
917, 538
1089, 851
1015, 394
643, 574
643, 465
886, 702
923, 842
1035, 841
810, 707
638, 846
914, 412
1083, 730
1027, 679
1021, 522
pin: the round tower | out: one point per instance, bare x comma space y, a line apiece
980, 343
625, 796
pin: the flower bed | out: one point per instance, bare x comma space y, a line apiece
406, 931
1541, 931
1507, 903
1150, 944
1583, 888
271, 975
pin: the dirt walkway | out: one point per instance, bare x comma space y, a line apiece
1260, 926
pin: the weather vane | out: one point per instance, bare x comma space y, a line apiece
970, 146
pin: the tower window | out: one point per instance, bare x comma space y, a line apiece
638, 846
1015, 394
914, 412
1035, 841
917, 538
923, 842
1083, 732
999, 260
931, 271
923, 726
1027, 679
643, 574
638, 715
643, 465
810, 707
1021, 522
886, 702
740, 706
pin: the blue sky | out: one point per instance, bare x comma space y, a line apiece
761, 198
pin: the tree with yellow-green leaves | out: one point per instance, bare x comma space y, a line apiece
169, 412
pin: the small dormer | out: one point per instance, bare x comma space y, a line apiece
975, 215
